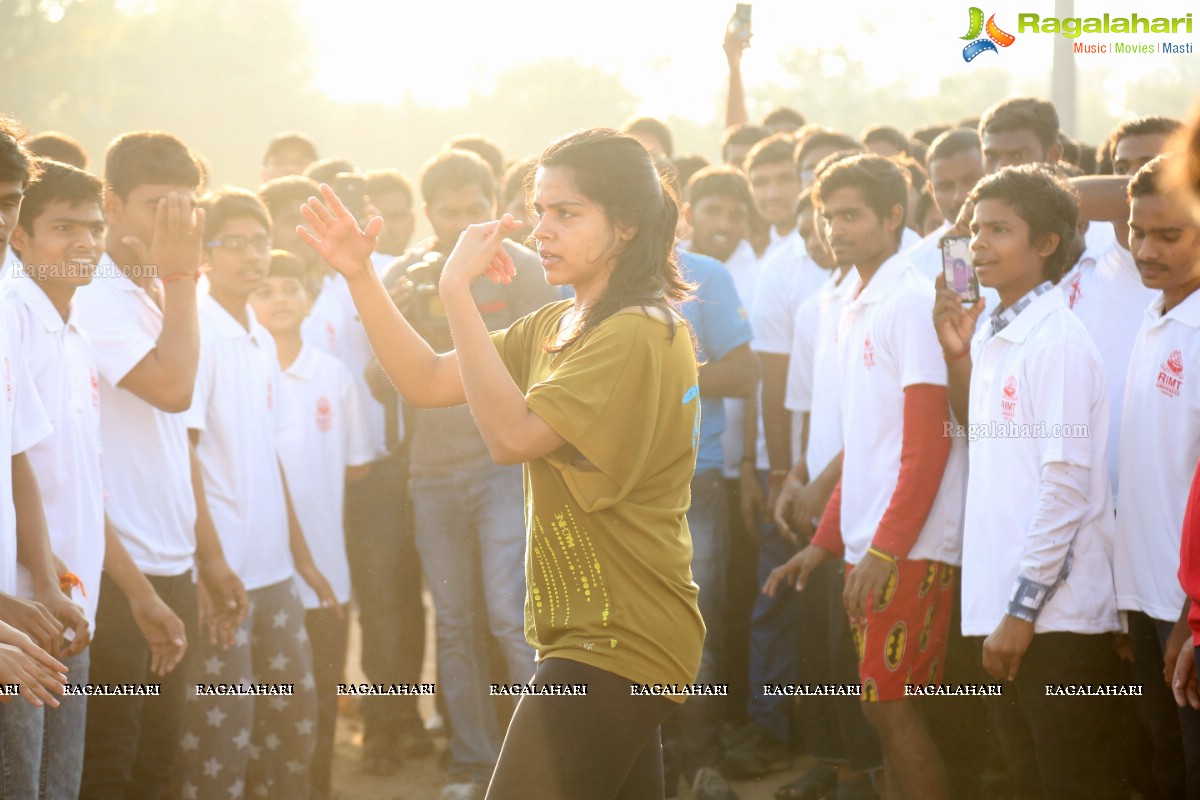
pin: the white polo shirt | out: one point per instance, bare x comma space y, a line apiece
926, 254
325, 326
11, 267
825, 398
1160, 445
147, 463
67, 462
744, 267
23, 423
356, 354
1110, 300
886, 342
328, 437
788, 276
242, 411
1040, 370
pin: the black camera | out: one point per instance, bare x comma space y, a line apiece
426, 312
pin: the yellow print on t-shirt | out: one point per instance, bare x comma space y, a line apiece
566, 567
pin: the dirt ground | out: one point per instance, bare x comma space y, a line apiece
422, 779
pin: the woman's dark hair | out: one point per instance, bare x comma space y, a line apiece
616, 172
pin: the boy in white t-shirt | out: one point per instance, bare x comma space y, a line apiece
1160, 445
140, 313
234, 743
60, 238
29, 631
1037, 547
324, 450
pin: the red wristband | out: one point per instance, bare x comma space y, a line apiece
177, 276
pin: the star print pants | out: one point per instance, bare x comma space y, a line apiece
242, 745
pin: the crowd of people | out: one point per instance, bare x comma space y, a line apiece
732, 446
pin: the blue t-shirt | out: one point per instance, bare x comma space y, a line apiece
720, 324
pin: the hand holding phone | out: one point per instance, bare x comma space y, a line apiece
958, 268
739, 25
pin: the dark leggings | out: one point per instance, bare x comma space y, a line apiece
603, 746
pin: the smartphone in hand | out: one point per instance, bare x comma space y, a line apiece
739, 24
958, 268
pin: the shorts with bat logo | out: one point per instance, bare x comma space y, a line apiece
901, 639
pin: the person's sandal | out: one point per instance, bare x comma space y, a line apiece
812, 785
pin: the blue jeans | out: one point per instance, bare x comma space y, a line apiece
470, 533
708, 522
386, 579
775, 635
41, 749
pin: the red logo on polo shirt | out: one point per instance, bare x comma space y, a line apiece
1008, 403
1170, 375
331, 336
868, 352
324, 414
95, 388
1074, 295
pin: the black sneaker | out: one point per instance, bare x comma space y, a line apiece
758, 754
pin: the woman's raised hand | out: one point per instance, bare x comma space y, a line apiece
336, 236
480, 251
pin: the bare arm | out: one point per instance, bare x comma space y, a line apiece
512, 432
1103, 198
33, 551
734, 375
424, 378
163, 630
218, 581
735, 102
777, 420
165, 376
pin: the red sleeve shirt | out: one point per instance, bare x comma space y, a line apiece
1189, 556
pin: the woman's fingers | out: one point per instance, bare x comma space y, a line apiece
335, 203
318, 221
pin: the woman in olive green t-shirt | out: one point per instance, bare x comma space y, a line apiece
598, 397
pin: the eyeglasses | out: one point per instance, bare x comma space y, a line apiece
236, 244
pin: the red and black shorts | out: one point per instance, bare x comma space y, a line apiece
902, 640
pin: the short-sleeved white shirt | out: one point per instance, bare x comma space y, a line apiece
328, 437
744, 267
1160, 444
1110, 300
325, 326
887, 343
1040, 370
355, 352
11, 267
825, 416
23, 423
67, 462
788, 276
147, 461
242, 411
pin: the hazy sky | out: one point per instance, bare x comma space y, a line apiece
669, 53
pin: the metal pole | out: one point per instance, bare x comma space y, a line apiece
1062, 88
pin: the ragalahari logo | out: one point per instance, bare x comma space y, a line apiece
995, 36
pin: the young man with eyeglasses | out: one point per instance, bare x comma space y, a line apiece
236, 742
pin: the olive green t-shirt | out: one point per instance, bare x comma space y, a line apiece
608, 556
